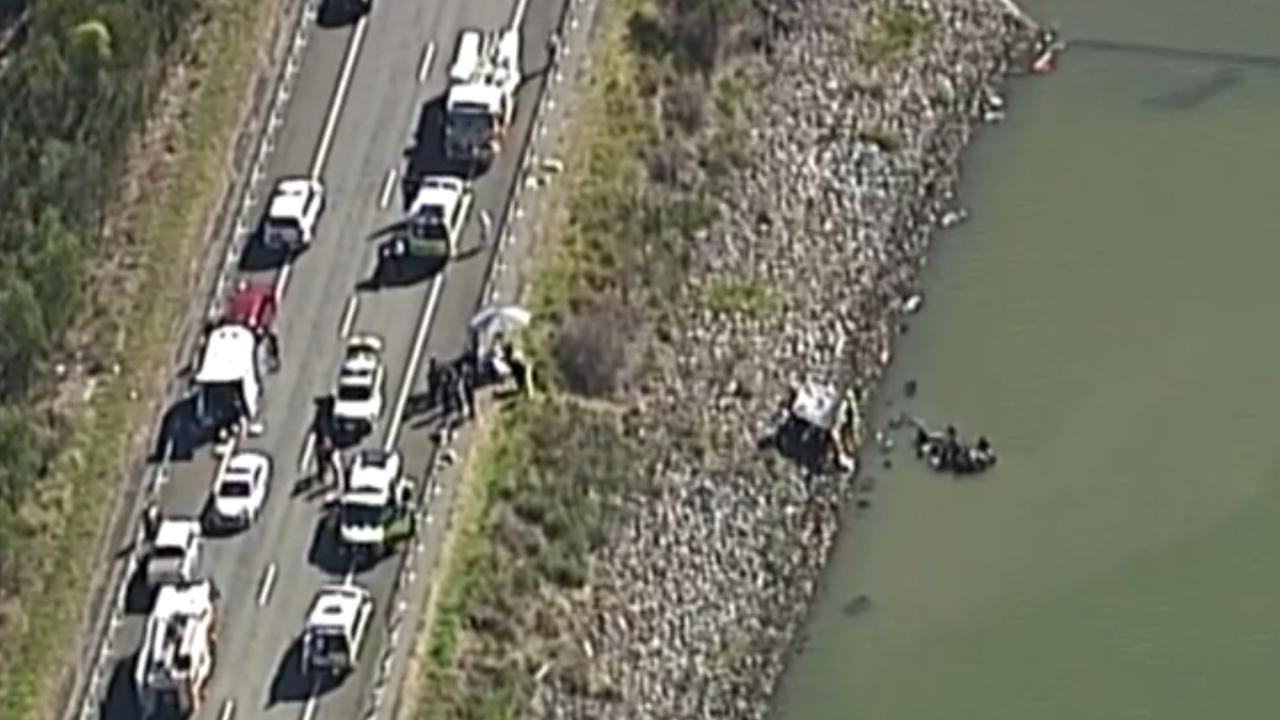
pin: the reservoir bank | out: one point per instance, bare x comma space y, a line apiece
1106, 317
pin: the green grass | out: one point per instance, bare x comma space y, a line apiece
741, 297
539, 496
895, 34
66, 516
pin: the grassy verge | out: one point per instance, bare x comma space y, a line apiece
551, 478
65, 518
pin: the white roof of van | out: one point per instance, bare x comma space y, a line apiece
290, 198
467, 57
484, 94
176, 533
190, 600
336, 606
437, 191
229, 355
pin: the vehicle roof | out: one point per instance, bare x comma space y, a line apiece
176, 533
247, 305
289, 198
229, 355
336, 605
466, 59
440, 191
358, 367
189, 599
476, 93
373, 470
247, 460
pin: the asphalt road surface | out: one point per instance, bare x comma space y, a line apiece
360, 117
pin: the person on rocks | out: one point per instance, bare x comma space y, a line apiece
519, 369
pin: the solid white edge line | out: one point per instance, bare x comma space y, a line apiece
428, 56
415, 357
268, 582
387, 186
339, 96
283, 279
330, 128
349, 316
309, 710
517, 16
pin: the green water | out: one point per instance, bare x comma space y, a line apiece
1109, 317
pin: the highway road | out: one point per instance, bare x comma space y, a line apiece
355, 119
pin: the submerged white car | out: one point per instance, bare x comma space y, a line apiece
358, 399
241, 491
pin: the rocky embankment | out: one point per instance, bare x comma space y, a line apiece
852, 164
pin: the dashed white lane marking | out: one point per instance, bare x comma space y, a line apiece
268, 582
349, 316
228, 709
428, 55
388, 185
308, 447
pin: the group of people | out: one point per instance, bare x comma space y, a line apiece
945, 452
452, 386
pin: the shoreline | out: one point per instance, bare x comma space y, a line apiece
699, 600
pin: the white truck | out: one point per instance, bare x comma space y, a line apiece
228, 381
175, 553
481, 100
375, 509
176, 659
335, 629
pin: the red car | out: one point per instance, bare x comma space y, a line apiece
254, 307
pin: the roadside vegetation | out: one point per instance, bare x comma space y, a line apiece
653, 130
101, 99
895, 34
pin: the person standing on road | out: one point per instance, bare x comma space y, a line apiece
448, 385
150, 521
469, 386
433, 383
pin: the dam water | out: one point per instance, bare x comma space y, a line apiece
1108, 316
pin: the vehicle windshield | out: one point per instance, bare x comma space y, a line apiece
327, 645
469, 121
218, 403
364, 515
355, 393
282, 225
235, 488
168, 552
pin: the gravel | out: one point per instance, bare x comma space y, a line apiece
696, 600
